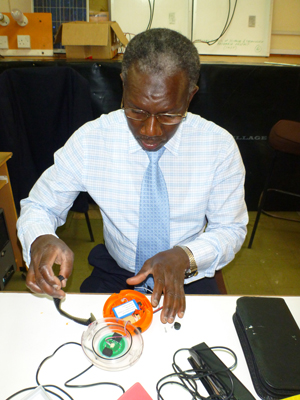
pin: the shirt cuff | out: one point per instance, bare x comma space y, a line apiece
203, 253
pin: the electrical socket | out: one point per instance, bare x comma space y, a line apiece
24, 42
252, 21
4, 42
172, 18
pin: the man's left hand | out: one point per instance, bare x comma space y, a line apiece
167, 268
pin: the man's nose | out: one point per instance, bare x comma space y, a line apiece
151, 127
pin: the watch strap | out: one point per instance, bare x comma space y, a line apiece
193, 269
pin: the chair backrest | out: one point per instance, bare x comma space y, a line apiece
285, 136
40, 108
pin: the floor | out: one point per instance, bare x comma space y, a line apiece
271, 267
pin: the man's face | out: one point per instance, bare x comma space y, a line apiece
155, 94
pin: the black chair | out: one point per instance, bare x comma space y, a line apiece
40, 108
81, 204
284, 138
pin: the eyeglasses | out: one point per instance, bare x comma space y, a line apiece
162, 118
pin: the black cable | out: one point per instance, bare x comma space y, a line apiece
151, 14
80, 321
81, 373
225, 28
203, 373
43, 362
179, 384
177, 369
227, 25
45, 387
55, 394
211, 42
231, 352
34, 387
214, 374
77, 376
153, 8
90, 384
21, 391
183, 376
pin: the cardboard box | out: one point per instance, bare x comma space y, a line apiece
97, 40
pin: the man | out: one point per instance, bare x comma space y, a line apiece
202, 178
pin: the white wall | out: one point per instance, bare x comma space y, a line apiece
23, 5
202, 19
240, 38
133, 15
285, 38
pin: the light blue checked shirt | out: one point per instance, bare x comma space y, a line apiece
204, 175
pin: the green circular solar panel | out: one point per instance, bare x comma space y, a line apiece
118, 347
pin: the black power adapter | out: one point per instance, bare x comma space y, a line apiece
218, 380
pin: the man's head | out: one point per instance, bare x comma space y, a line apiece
160, 71
162, 52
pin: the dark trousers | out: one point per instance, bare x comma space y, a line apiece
108, 277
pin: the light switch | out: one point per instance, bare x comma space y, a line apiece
4, 42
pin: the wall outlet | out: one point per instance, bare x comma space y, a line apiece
172, 18
4, 42
252, 21
24, 42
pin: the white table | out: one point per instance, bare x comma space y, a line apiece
32, 329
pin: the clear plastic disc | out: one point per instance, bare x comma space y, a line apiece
112, 344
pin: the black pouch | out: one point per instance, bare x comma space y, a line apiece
270, 339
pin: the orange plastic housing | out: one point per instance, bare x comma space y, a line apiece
145, 312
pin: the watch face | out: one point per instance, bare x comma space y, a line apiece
189, 273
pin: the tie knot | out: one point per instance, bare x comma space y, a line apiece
154, 156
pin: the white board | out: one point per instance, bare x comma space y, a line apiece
249, 33
133, 15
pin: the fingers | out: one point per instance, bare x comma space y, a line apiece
168, 272
167, 268
138, 278
39, 281
173, 308
31, 282
174, 301
158, 289
44, 275
63, 282
46, 251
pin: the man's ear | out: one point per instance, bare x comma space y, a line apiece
192, 94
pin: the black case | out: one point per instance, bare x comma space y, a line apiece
270, 338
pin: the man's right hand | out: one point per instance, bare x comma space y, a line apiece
47, 250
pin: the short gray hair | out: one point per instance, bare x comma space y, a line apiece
162, 52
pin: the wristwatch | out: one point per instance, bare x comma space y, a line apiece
193, 269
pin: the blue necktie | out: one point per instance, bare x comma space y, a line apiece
154, 221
